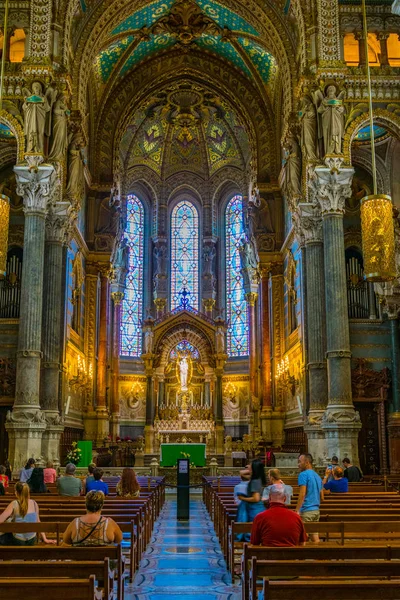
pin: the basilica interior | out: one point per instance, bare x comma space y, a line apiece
183, 247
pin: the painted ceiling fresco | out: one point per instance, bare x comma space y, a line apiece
239, 50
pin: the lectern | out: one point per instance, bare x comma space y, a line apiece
183, 481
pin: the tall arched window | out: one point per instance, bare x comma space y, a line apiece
185, 254
236, 305
132, 307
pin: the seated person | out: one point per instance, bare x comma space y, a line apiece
49, 473
337, 485
22, 510
89, 476
97, 484
279, 525
128, 486
3, 476
274, 477
352, 473
69, 485
36, 482
92, 529
26, 472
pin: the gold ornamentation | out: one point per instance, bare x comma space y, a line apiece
208, 304
378, 238
4, 220
117, 298
251, 298
186, 21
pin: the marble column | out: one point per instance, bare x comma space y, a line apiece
101, 395
266, 371
207, 395
26, 423
52, 338
148, 360
278, 337
311, 225
251, 299
341, 422
220, 361
394, 414
359, 35
117, 298
383, 37
161, 392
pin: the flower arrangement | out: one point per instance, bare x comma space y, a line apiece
187, 455
74, 455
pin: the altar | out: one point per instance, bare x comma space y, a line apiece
169, 454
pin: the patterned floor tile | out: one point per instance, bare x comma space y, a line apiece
183, 560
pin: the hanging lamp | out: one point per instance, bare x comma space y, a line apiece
4, 200
377, 209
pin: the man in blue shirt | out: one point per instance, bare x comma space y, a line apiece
338, 485
97, 484
310, 493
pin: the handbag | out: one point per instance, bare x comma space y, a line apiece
89, 534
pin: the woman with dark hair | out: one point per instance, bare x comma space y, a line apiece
128, 486
26, 472
92, 529
22, 510
36, 482
7, 465
257, 482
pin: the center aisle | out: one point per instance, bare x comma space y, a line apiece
183, 560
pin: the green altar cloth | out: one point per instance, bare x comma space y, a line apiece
169, 454
86, 456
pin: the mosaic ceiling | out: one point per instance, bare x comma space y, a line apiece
151, 30
185, 131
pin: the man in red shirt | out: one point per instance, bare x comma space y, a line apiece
279, 525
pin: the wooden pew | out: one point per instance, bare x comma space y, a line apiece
319, 569
331, 590
65, 553
62, 589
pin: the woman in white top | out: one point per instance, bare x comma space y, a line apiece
22, 510
92, 529
274, 477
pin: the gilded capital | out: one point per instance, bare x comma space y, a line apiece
251, 298
208, 304
117, 298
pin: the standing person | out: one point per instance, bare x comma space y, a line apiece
97, 484
257, 482
337, 485
241, 515
274, 478
49, 473
22, 510
128, 486
352, 473
278, 526
26, 472
69, 485
8, 467
310, 493
92, 529
36, 482
3, 477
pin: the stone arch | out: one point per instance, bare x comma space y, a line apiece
193, 333
16, 128
385, 117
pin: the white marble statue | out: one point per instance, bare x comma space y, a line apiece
60, 129
184, 372
148, 340
35, 107
332, 113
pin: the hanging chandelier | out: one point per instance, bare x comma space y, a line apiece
4, 221
377, 209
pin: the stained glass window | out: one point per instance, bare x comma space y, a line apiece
132, 306
184, 348
236, 305
185, 254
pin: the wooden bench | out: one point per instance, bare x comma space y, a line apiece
331, 590
62, 589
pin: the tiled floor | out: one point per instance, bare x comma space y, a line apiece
183, 561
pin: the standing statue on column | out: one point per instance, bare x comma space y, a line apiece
309, 128
209, 254
35, 107
148, 340
332, 113
292, 166
60, 129
220, 340
75, 187
160, 255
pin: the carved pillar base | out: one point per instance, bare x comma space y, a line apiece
342, 436
317, 445
90, 425
115, 425
103, 424
266, 423
51, 443
277, 424
219, 437
394, 443
25, 439
149, 439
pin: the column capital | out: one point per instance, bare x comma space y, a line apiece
383, 35
251, 298
57, 223
332, 185
309, 221
117, 298
36, 183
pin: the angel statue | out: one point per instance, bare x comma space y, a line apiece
309, 128
35, 107
332, 113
